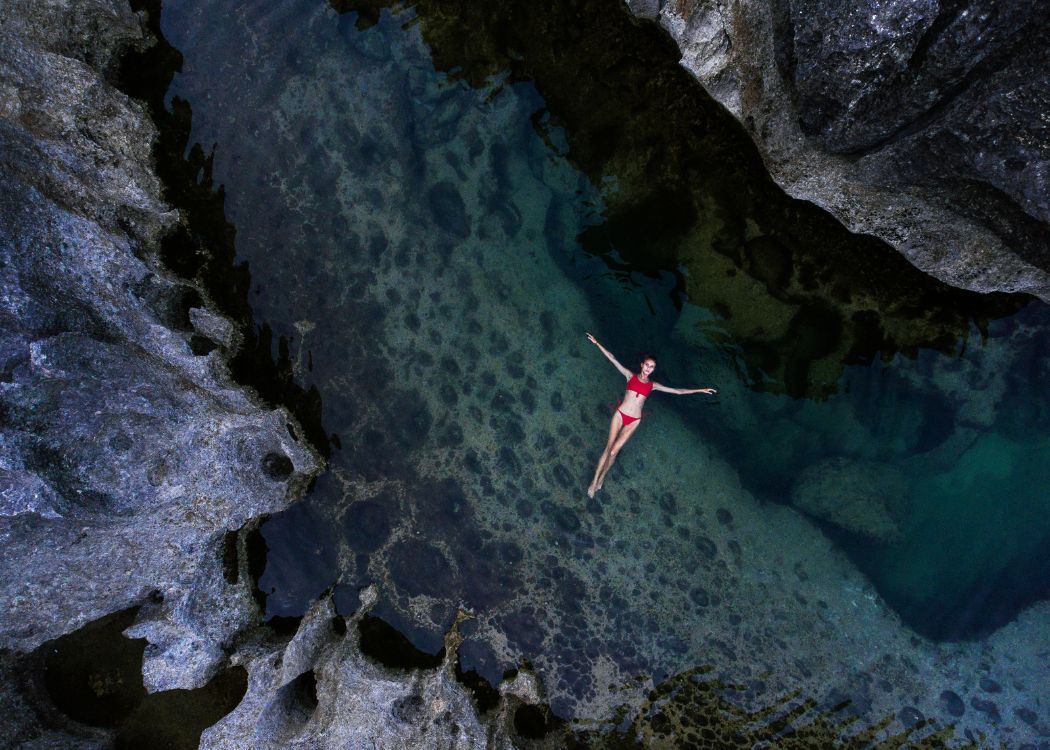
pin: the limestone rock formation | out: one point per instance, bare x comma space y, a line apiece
320, 690
126, 456
920, 123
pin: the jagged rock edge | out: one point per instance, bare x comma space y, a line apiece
729, 50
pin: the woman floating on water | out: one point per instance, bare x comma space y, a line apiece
626, 419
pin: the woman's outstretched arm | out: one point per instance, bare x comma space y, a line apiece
623, 370
682, 391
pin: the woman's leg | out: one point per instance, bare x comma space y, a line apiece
618, 443
614, 429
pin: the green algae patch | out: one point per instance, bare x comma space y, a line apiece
797, 296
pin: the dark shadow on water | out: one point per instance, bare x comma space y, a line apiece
201, 248
94, 676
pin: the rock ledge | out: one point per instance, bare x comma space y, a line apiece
919, 123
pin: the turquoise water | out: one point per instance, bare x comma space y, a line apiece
974, 540
425, 245
969, 437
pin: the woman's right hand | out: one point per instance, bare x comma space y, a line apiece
593, 340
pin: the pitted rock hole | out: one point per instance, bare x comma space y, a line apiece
290, 710
408, 708
277, 466
202, 345
94, 676
531, 722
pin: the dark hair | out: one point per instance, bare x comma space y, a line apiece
645, 356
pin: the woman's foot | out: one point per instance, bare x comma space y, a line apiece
591, 490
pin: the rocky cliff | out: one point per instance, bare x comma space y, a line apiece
133, 468
127, 457
922, 123
125, 453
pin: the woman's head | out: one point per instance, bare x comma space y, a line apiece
648, 364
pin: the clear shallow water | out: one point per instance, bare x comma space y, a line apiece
428, 249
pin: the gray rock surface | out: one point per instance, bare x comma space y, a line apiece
124, 458
320, 691
125, 455
921, 123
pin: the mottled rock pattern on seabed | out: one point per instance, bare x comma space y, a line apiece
920, 123
859, 496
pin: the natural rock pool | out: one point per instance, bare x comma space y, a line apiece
435, 203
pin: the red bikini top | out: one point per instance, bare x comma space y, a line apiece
636, 385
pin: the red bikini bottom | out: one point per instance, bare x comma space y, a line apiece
627, 418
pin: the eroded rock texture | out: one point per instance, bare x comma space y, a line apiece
132, 467
320, 690
919, 122
125, 458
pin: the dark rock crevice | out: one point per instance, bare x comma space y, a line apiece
201, 248
93, 678
885, 115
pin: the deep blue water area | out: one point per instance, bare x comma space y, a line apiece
968, 434
430, 229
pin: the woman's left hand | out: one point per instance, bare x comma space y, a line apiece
708, 391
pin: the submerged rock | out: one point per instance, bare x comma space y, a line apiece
920, 123
859, 496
